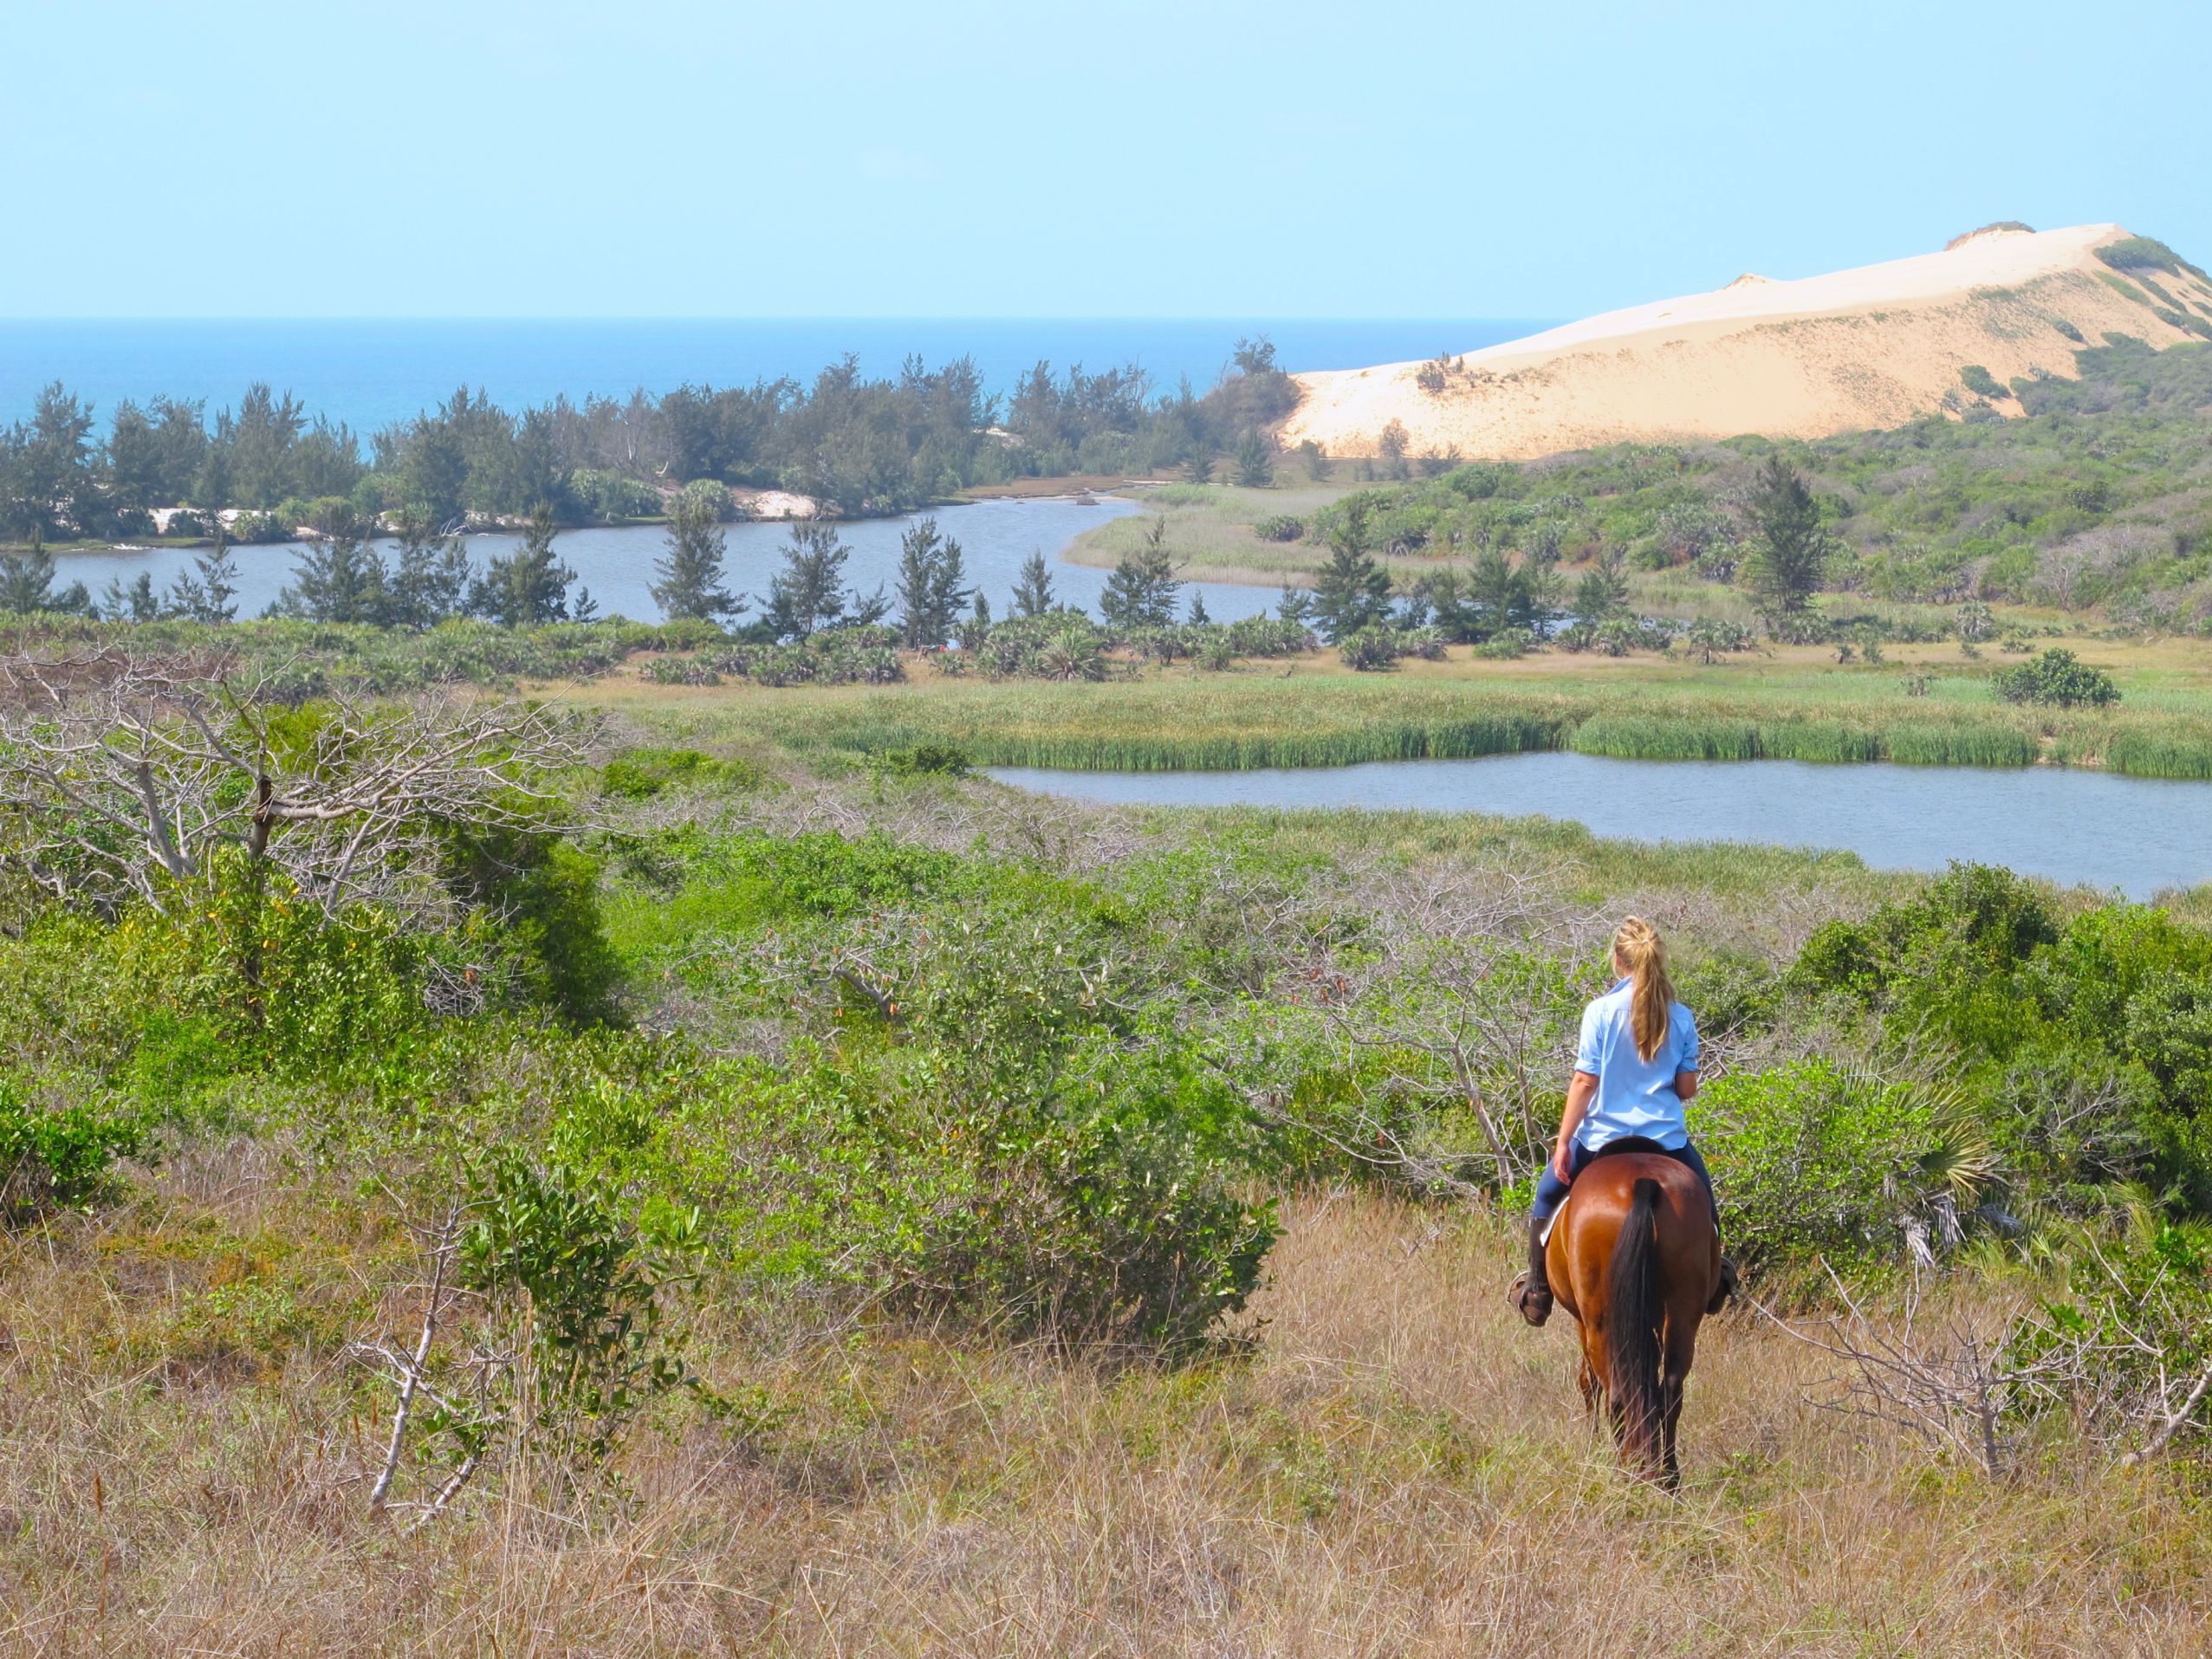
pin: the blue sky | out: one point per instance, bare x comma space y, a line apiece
680, 158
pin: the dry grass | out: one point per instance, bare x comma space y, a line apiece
1391, 1465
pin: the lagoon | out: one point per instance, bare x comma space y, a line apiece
2135, 836
617, 565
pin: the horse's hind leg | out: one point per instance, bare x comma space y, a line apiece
1674, 1373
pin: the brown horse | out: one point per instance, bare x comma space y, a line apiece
1635, 1259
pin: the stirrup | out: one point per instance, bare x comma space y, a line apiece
1533, 1303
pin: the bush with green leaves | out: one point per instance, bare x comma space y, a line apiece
1813, 1159
640, 774
2145, 253
1982, 383
864, 655
615, 497
1280, 527
560, 1256
57, 1155
2087, 1039
2058, 679
2130, 1334
1371, 648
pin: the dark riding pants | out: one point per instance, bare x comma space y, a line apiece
1550, 1189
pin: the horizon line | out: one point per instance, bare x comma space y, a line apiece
822, 317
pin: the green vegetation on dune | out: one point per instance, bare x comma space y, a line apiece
2097, 498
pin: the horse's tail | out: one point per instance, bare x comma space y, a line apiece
1633, 1312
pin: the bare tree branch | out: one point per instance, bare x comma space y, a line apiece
122, 775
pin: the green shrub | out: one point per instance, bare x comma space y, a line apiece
2145, 253
558, 1254
641, 774
938, 760
1983, 384
2142, 1312
2069, 331
681, 671
2057, 677
57, 1156
1281, 527
1369, 650
1506, 645
612, 497
1813, 1160
712, 494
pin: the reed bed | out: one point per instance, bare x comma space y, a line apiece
1240, 722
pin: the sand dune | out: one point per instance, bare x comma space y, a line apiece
1853, 349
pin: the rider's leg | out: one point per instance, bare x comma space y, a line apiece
1688, 1154
1531, 1293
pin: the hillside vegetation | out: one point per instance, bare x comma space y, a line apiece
647, 1192
2094, 502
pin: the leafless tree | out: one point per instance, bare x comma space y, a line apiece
1959, 1382
124, 776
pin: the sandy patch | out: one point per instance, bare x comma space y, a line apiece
1843, 352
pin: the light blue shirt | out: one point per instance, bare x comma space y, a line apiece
1635, 1096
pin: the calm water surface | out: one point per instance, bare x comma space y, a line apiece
2137, 835
617, 565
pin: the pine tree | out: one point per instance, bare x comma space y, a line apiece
431, 581
690, 573
1197, 618
1033, 588
211, 595
1392, 448
1789, 548
1603, 592
1354, 593
932, 586
529, 586
137, 603
1142, 590
336, 578
807, 595
1255, 461
27, 576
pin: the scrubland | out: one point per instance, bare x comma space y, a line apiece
926, 1065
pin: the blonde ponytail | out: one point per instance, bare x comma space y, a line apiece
1650, 997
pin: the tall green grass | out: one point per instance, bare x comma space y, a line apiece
1238, 723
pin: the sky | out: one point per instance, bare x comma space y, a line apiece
700, 158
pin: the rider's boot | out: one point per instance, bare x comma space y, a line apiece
1725, 1291
1531, 1293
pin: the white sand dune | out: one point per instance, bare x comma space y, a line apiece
1844, 351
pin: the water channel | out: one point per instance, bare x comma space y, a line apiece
617, 565
2137, 836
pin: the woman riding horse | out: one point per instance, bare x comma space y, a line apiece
1637, 1255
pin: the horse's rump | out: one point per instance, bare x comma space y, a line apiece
1635, 1260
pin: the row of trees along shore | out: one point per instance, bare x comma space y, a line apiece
869, 447
342, 576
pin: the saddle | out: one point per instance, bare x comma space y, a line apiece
1611, 1149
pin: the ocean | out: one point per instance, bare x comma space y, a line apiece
370, 373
